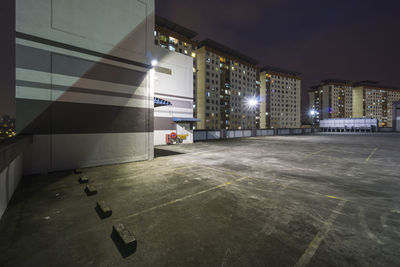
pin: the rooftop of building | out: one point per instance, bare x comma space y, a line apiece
226, 50
364, 83
280, 70
374, 84
335, 81
313, 87
172, 26
367, 82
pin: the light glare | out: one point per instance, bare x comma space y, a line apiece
252, 102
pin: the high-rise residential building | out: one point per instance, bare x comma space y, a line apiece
315, 103
224, 80
226, 88
176, 38
280, 98
370, 99
331, 99
343, 99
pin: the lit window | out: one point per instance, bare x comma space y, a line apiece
163, 38
173, 40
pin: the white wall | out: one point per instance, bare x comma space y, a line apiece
176, 88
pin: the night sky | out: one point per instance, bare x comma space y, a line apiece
351, 39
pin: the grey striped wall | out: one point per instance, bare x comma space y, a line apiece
86, 101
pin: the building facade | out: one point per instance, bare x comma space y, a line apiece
173, 106
315, 101
223, 79
370, 99
331, 99
229, 90
176, 38
343, 99
280, 98
81, 78
226, 84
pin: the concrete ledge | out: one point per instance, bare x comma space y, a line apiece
83, 180
90, 190
103, 210
124, 240
11, 168
11, 151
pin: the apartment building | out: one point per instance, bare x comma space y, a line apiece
370, 99
176, 38
344, 99
280, 96
315, 102
223, 79
331, 99
227, 92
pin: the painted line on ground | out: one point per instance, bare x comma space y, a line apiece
316, 242
284, 186
183, 198
161, 170
370, 155
315, 153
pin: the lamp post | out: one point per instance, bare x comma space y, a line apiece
313, 113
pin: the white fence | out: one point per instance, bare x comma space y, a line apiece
349, 124
202, 135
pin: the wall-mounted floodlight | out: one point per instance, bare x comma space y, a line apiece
251, 103
312, 112
154, 62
